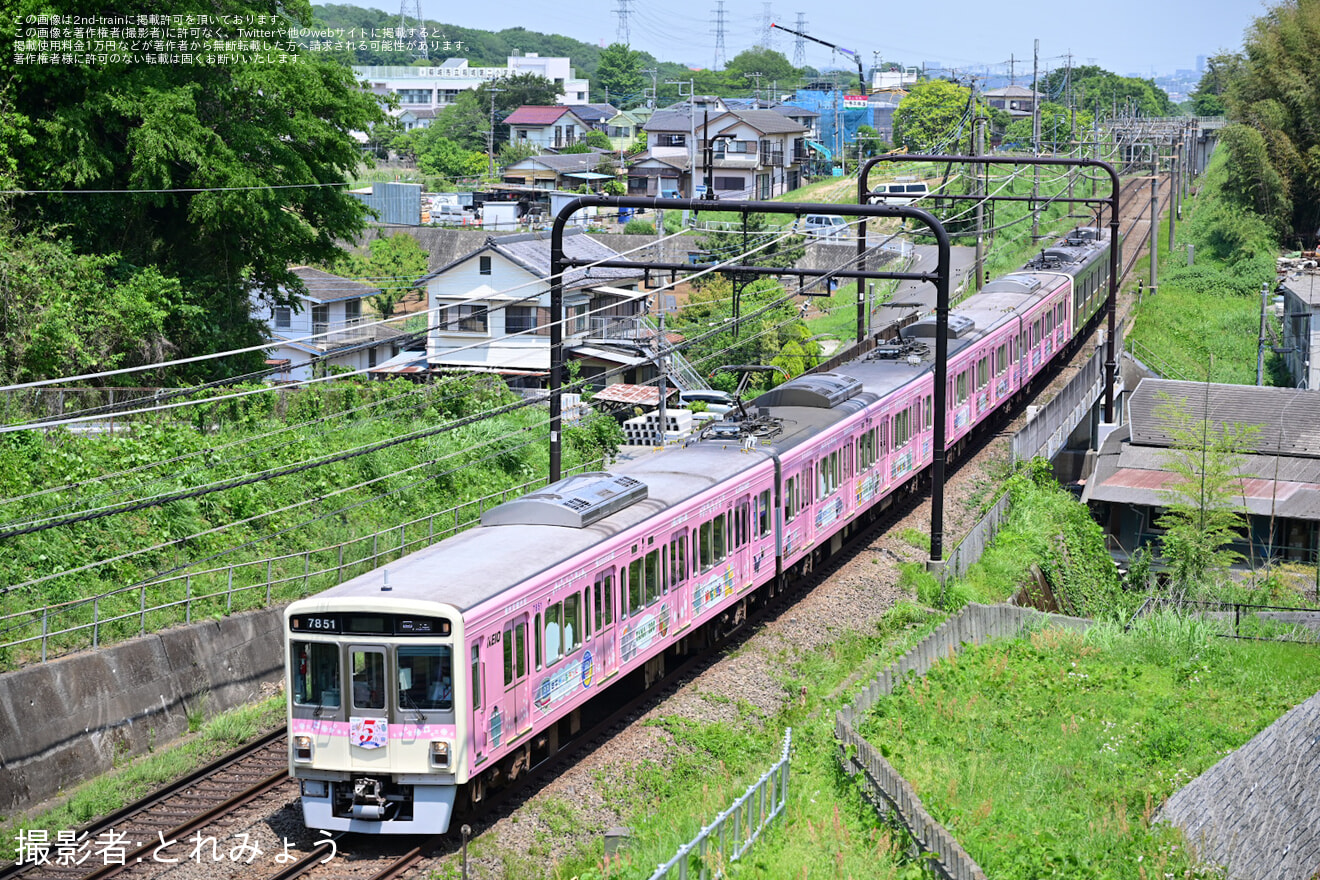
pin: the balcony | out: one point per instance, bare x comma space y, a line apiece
352, 332
772, 158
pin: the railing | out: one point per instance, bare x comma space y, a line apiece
614, 327
78, 624
1278, 623
724, 841
1045, 434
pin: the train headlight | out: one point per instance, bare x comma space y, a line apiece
302, 748
439, 754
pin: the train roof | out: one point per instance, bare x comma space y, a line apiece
534, 534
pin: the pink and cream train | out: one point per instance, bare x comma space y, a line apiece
465, 663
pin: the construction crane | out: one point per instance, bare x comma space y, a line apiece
861, 76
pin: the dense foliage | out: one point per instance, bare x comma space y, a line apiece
217, 177
430, 454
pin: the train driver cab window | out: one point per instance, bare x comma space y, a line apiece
316, 675
426, 677
368, 678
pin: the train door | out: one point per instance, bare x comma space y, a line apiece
741, 538
368, 719
479, 729
517, 714
605, 648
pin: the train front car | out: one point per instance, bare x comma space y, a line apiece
374, 729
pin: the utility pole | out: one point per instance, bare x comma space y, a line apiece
981, 189
1154, 230
662, 355
1260, 347
692, 131
651, 98
490, 137
1035, 145
1175, 170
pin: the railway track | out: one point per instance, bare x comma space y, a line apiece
138, 833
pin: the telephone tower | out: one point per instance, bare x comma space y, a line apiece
416, 38
800, 44
721, 57
622, 35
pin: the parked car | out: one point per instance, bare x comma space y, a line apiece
827, 226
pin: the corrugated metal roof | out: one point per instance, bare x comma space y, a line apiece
1281, 486
1288, 418
324, 287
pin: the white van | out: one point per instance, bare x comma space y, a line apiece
899, 193
825, 226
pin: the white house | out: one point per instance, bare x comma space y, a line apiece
493, 312
546, 127
328, 326
434, 88
757, 153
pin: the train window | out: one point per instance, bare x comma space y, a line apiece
636, 600
1001, 359
790, 499
426, 675
508, 655
719, 541
316, 674
476, 676
982, 373
586, 612
678, 559
572, 619
743, 519
604, 590
652, 574
827, 474
866, 450
763, 524
960, 389
368, 678
902, 428
536, 636
930, 411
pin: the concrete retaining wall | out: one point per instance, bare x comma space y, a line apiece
68, 720
1257, 812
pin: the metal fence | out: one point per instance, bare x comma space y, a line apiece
1244, 620
723, 841
78, 624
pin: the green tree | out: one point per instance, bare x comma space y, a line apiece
771, 65
1210, 98
392, 263
619, 75
778, 250
439, 155
1274, 93
1094, 88
869, 142
934, 118
598, 139
219, 176
1057, 127
64, 313
1203, 514
1251, 179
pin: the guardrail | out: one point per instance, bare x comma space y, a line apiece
1046, 433
88, 622
723, 841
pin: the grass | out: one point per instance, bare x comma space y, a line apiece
709, 765
1046, 756
125, 784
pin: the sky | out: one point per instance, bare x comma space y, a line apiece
1123, 36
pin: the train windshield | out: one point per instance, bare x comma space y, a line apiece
426, 678
316, 674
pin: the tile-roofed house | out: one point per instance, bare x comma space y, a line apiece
326, 325
546, 127
757, 153
493, 311
1280, 468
